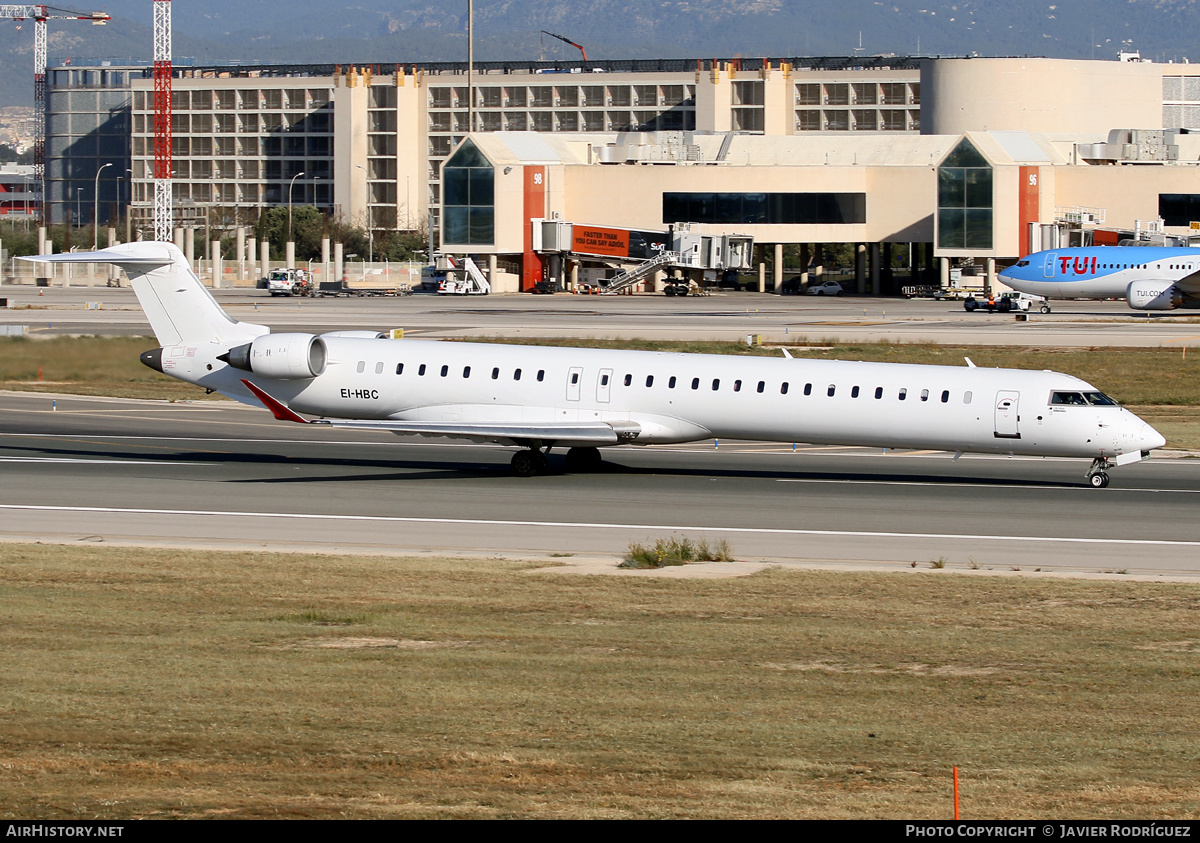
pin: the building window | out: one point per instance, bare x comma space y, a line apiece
766, 208
964, 216
468, 198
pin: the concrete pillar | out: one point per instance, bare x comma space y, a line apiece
762, 276
252, 258
325, 260
492, 267
574, 280
860, 267
873, 263
177, 237
339, 269
241, 253
888, 279
189, 247
805, 257
991, 275
215, 251
264, 251
42, 241
289, 254
944, 272
778, 268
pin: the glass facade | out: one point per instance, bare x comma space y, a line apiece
468, 203
766, 208
964, 213
1179, 208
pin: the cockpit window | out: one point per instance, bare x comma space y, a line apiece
1082, 399
1022, 263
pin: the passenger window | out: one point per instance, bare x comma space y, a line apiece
495, 373
831, 390
945, 396
362, 366
628, 380
695, 383
399, 368
516, 374
737, 386
967, 397
671, 383
903, 394
783, 388
603, 380
924, 394
649, 380
379, 368
466, 371
878, 392
574, 378
854, 392
716, 384
445, 371
420, 371
541, 375
762, 385
808, 389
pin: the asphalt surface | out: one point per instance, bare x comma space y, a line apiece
728, 316
222, 475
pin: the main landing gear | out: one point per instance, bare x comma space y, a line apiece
532, 461
1098, 474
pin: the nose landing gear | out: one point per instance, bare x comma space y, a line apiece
1098, 474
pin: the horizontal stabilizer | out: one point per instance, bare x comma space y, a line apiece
114, 255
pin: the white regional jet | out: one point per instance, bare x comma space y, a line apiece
538, 398
1148, 277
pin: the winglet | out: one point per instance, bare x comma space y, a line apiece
786, 353
281, 411
969, 363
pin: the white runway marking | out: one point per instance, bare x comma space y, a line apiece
394, 519
164, 463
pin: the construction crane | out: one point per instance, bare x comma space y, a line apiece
163, 223
39, 15
567, 41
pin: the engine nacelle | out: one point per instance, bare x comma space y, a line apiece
280, 356
1153, 295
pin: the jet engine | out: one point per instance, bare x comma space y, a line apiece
280, 356
1153, 295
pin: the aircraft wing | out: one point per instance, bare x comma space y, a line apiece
1190, 284
595, 433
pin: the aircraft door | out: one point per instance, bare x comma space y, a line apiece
1007, 418
1051, 263
604, 386
574, 383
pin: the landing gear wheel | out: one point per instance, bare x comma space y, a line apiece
1044, 308
525, 463
1099, 480
584, 459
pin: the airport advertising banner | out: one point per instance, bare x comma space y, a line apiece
617, 242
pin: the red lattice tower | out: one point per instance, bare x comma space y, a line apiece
163, 224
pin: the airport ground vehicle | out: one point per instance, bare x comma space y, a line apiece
825, 288
289, 282
1006, 303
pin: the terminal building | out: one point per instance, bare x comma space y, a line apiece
963, 162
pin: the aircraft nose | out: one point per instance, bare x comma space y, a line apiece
1149, 438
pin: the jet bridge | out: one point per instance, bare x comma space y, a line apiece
683, 246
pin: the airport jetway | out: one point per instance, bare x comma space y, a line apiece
683, 246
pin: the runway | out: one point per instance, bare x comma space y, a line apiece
221, 475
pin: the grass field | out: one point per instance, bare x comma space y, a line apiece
1162, 386
164, 683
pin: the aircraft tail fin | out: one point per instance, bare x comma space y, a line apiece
180, 309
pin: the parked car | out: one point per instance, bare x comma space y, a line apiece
825, 288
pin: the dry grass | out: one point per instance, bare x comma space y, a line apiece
143, 683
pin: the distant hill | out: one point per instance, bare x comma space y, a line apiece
408, 31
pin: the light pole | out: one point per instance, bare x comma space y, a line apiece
290, 185
96, 208
78, 215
